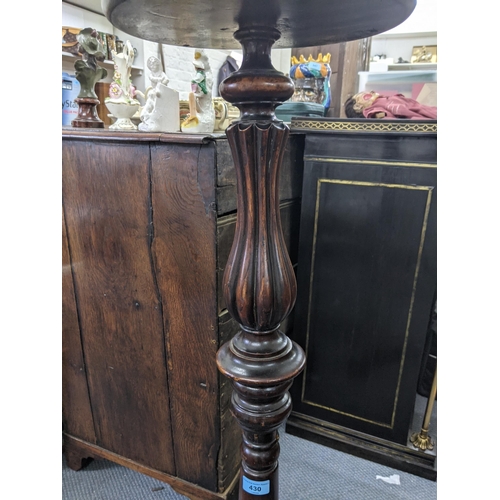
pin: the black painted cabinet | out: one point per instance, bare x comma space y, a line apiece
366, 279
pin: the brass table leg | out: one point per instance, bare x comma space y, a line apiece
422, 439
259, 282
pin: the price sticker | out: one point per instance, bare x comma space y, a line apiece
256, 487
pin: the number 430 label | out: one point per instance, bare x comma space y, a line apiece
256, 487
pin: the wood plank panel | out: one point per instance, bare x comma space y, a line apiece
106, 193
229, 456
182, 487
77, 413
184, 218
354, 60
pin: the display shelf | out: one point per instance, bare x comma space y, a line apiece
412, 67
66, 56
406, 34
406, 82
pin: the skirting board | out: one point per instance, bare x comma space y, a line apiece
355, 443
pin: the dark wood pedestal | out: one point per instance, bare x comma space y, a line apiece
367, 281
87, 114
259, 283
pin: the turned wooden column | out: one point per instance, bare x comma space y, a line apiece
259, 282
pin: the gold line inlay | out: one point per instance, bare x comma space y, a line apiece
316, 214
412, 300
369, 162
415, 278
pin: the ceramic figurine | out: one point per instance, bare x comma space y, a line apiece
221, 114
421, 55
312, 79
161, 111
389, 107
121, 101
201, 110
88, 73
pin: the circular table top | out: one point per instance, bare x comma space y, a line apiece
211, 23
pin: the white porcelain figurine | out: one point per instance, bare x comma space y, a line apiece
201, 117
121, 102
161, 111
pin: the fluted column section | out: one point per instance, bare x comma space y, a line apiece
259, 282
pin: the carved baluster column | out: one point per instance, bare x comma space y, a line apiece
259, 282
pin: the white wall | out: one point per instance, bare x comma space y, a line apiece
400, 46
419, 29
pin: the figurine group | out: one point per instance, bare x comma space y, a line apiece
161, 109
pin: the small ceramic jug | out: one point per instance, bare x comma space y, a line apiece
221, 114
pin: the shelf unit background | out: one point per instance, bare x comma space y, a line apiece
77, 17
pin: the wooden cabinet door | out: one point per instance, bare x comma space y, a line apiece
367, 277
107, 207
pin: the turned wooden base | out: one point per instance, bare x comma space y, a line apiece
87, 114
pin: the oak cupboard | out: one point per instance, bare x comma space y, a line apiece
148, 220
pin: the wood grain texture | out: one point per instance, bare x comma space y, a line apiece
184, 246
291, 172
106, 192
229, 456
142, 216
212, 24
289, 215
79, 448
77, 412
259, 285
102, 91
127, 136
352, 63
77, 457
